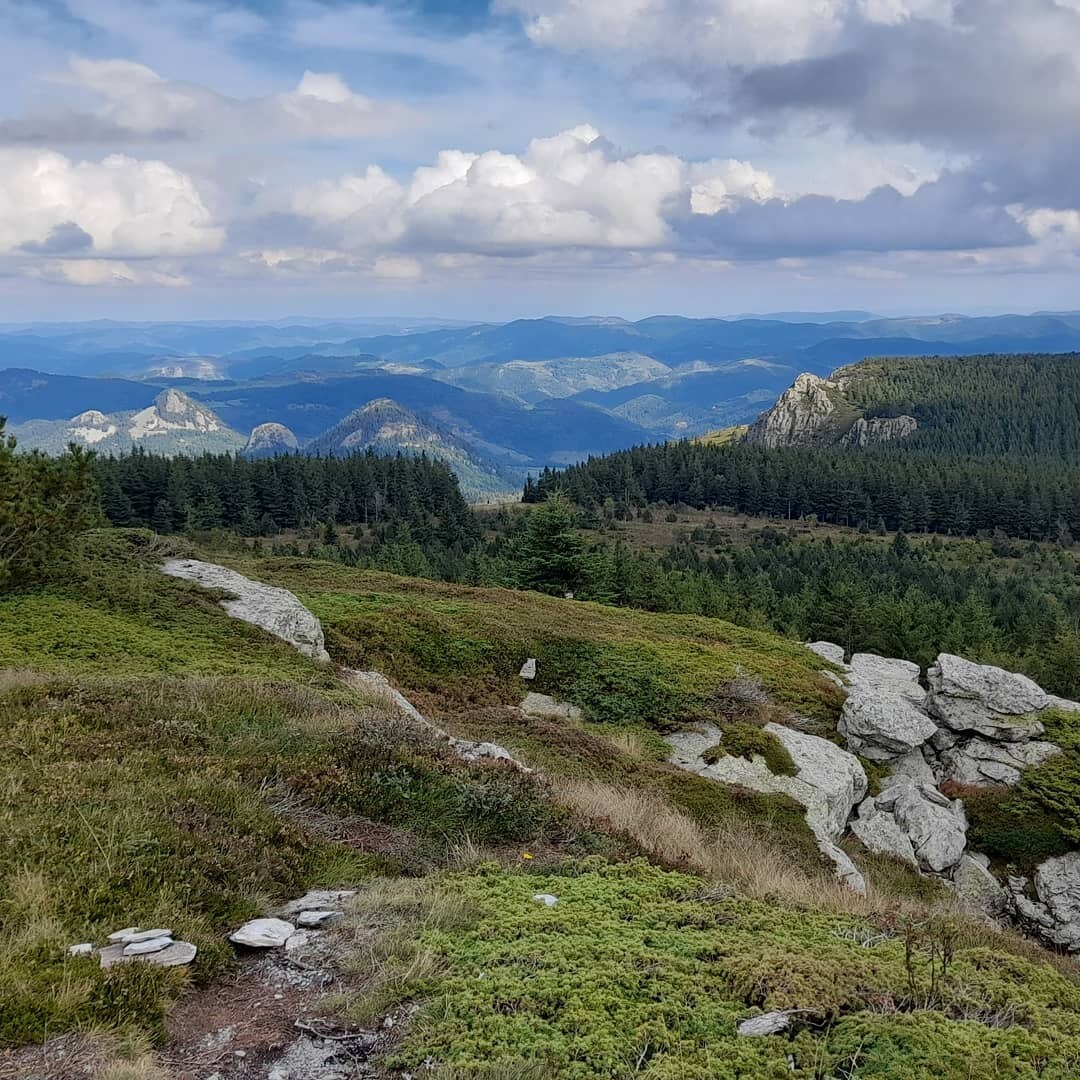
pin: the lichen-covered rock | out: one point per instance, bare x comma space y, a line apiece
828, 783
263, 933
990, 701
826, 768
1055, 914
933, 826
882, 725
883, 717
977, 887
828, 651
272, 609
981, 761
881, 835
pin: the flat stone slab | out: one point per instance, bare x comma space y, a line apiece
318, 900
175, 955
134, 937
147, 945
312, 920
263, 933
272, 609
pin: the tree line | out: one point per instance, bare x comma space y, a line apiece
266, 496
898, 489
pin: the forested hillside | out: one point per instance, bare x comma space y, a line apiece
898, 486
1002, 406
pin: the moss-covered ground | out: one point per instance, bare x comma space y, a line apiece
643, 972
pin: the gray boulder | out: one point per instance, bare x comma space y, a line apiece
880, 833
770, 1023
1055, 913
883, 725
263, 933
883, 716
990, 701
828, 651
828, 783
980, 761
274, 610
978, 888
934, 827
826, 768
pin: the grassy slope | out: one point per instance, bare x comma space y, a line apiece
155, 732
150, 735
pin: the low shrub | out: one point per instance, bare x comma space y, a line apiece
747, 740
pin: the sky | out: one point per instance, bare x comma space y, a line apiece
487, 160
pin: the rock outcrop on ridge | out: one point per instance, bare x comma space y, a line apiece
970, 723
829, 781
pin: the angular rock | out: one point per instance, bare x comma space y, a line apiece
272, 609
990, 701
881, 835
823, 766
915, 765
980, 761
1057, 885
828, 651
528, 669
318, 900
883, 717
263, 933
900, 677
147, 945
176, 954
123, 935
549, 708
300, 939
828, 783
546, 899
978, 887
313, 920
133, 937
83, 949
936, 826
881, 724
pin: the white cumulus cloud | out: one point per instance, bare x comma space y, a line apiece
118, 206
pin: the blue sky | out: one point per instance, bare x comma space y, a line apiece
199, 158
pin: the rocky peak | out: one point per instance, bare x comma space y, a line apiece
173, 410
269, 439
803, 414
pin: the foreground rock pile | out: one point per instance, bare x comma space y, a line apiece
296, 924
134, 944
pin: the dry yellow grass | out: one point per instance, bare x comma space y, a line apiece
738, 854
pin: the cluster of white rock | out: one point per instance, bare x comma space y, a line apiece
133, 943
973, 724
297, 923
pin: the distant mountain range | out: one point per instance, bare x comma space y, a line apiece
497, 401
